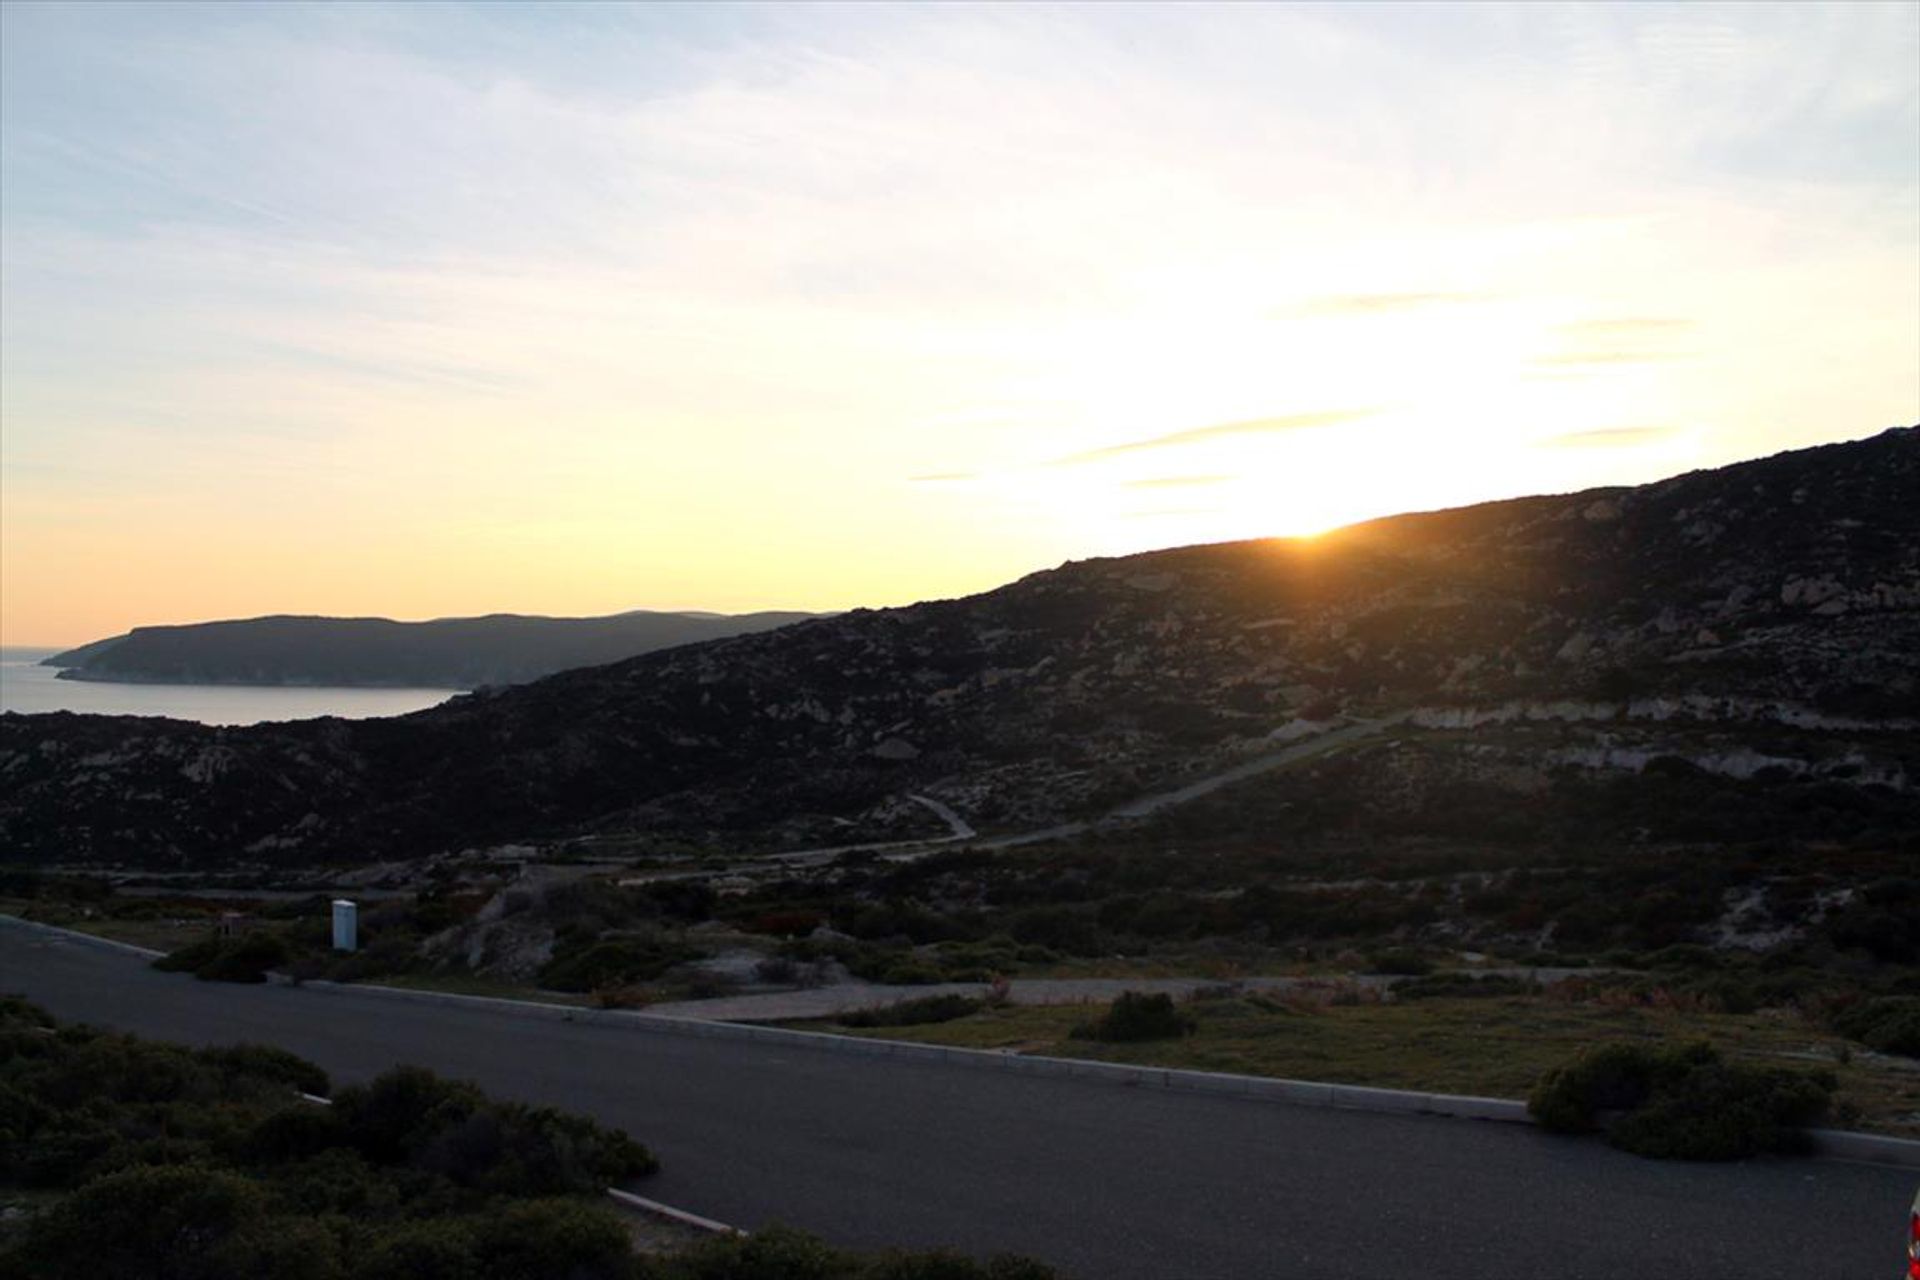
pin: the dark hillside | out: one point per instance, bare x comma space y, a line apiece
1768, 611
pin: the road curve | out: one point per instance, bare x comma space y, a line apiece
1107, 1182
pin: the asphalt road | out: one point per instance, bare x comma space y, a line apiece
1106, 1182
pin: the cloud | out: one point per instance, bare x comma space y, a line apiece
1195, 435
1154, 512
1346, 304
1574, 359
943, 477
1176, 482
1609, 438
1625, 326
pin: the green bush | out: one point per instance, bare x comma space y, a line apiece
1681, 1102
152, 1223
913, 1013
609, 963
191, 957
1726, 1111
283, 1247
381, 957
1890, 1024
1136, 1015
551, 1239
409, 1116
1407, 963
423, 1249
912, 971
243, 959
201, 1165
264, 1061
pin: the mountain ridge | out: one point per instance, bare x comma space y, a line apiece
1789, 583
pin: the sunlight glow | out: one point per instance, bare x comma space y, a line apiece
425, 310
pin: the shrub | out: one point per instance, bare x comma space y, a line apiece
243, 959
380, 958
912, 972
17, 1012
1136, 1015
709, 984
191, 957
411, 1116
1890, 1024
264, 1061
140, 1224
542, 1239
1407, 963
1726, 1111
1438, 985
1681, 1102
913, 1013
293, 1133
284, 1247
776, 970
610, 962
426, 1249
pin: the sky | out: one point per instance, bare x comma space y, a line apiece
429, 310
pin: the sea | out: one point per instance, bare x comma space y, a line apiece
29, 688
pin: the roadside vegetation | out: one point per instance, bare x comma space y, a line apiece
1682, 1101
127, 1159
1792, 903
1496, 1045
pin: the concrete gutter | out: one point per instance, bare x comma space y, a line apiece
671, 1214
1827, 1143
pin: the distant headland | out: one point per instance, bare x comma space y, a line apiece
445, 653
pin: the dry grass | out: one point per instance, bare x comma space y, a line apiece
165, 934
1488, 1047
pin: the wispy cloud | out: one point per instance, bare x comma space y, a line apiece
1153, 512
1220, 431
1609, 438
556, 285
1176, 482
1577, 359
1346, 304
1618, 327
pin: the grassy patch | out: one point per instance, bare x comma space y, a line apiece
159, 934
1490, 1047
